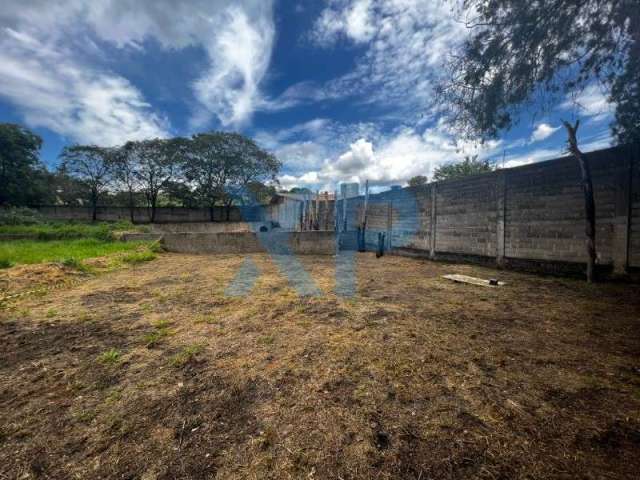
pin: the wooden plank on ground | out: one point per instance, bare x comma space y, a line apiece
473, 280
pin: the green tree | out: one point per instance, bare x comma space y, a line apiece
417, 181
93, 166
534, 54
22, 176
125, 171
520, 53
222, 165
469, 166
156, 164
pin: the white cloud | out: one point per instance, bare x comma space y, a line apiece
591, 102
542, 131
87, 105
534, 156
237, 37
406, 43
392, 159
352, 19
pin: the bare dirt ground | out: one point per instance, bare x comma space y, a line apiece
151, 372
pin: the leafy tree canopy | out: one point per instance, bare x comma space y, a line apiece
22, 176
469, 166
537, 52
417, 181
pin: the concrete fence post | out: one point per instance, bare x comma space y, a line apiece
389, 224
432, 226
501, 214
622, 220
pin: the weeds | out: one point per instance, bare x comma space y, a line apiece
266, 340
5, 263
186, 355
139, 257
110, 357
76, 264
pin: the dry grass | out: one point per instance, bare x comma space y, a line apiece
415, 377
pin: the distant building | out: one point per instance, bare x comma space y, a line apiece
349, 190
395, 187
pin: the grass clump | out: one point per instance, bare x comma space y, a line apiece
186, 355
161, 331
110, 357
266, 340
139, 257
76, 264
5, 263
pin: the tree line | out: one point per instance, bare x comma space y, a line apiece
206, 170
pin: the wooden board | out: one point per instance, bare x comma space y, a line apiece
471, 280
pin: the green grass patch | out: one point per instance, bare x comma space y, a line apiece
186, 355
139, 257
70, 251
70, 230
110, 357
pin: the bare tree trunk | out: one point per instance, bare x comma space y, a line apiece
131, 206
589, 202
94, 206
211, 213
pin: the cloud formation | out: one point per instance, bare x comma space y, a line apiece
95, 104
543, 131
88, 105
405, 42
385, 159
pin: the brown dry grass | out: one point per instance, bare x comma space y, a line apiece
151, 372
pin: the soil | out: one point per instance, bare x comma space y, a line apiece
151, 372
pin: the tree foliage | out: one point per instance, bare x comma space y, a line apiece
23, 179
155, 164
208, 169
92, 165
222, 166
469, 166
417, 181
537, 52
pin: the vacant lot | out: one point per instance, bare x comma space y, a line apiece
151, 372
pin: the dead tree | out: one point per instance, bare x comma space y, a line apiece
589, 202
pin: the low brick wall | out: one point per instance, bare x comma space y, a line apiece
299, 243
209, 227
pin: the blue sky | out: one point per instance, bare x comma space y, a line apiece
339, 90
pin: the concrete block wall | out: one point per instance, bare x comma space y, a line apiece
163, 214
533, 213
300, 243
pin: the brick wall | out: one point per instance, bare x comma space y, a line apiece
530, 213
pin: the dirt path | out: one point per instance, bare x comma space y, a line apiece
151, 372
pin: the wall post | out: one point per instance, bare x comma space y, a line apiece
501, 215
389, 224
432, 226
622, 220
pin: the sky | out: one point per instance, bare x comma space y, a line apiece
338, 90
